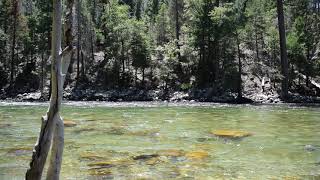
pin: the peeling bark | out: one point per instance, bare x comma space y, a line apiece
56, 151
52, 121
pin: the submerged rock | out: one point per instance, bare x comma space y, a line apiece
153, 161
101, 165
171, 153
145, 156
205, 147
19, 151
5, 125
111, 163
99, 172
151, 132
231, 133
116, 130
197, 155
91, 156
69, 123
291, 178
203, 139
310, 148
85, 130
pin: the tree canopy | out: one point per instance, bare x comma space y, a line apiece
177, 45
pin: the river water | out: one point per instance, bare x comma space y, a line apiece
157, 141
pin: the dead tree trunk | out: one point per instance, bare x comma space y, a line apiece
52, 121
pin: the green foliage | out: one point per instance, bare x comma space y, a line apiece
171, 44
295, 50
167, 60
3, 38
162, 25
139, 48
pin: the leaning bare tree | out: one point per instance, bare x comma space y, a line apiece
52, 128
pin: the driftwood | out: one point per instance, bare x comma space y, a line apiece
52, 124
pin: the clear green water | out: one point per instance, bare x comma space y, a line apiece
276, 150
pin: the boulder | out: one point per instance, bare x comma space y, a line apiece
310, 148
100, 172
171, 153
103, 164
34, 96
90, 156
69, 123
153, 161
145, 156
110, 164
197, 155
231, 133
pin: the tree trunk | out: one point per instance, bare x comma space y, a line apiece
42, 73
122, 56
177, 28
5, 61
92, 44
307, 81
78, 38
52, 121
123, 59
13, 45
136, 77
283, 49
42, 147
143, 71
256, 42
93, 11
308, 66
56, 151
262, 40
240, 68
83, 65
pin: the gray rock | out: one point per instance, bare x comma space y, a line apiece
310, 148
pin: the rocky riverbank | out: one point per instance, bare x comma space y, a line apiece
131, 95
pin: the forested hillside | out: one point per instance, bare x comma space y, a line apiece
207, 50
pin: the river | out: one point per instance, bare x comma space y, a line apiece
169, 141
